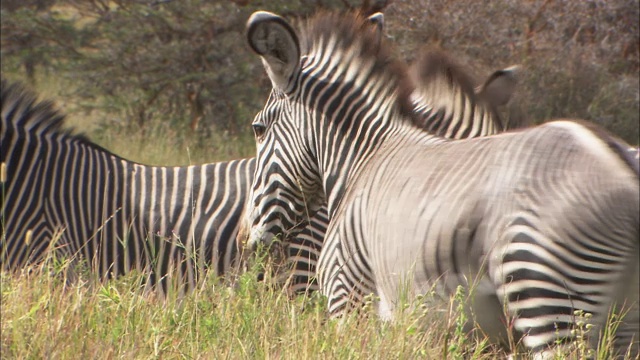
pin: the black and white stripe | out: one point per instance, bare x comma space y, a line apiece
540, 222
118, 215
160, 195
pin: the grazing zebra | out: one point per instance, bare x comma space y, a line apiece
168, 212
459, 112
115, 214
540, 222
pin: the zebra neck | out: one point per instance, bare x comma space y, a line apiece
354, 106
342, 160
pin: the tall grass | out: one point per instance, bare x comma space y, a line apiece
59, 311
45, 316
47, 313
157, 143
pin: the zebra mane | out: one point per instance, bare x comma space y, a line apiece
354, 36
26, 112
433, 63
21, 109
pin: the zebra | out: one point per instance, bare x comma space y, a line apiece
95, 226
62, 191
463, 110
535, 224
449, 105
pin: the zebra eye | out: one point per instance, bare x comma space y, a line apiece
259, 130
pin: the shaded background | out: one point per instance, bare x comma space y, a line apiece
173, 82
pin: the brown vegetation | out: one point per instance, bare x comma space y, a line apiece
184, 64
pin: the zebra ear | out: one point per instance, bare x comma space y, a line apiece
377, 20
271, 37
500, 85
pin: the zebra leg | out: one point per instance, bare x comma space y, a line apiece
341, 278
332, 280
385, 307
487, 312
626, 339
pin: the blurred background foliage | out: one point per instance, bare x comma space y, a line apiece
179, 73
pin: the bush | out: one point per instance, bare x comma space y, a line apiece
581, 59
185, 64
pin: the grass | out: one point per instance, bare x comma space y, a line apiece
157, 144
45, 314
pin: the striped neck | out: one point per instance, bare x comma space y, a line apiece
353, 97
349, 122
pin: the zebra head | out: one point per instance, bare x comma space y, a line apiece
444, 102
316, 84
277, 186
